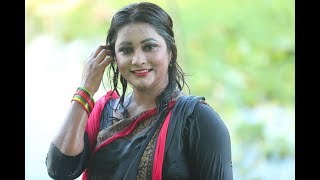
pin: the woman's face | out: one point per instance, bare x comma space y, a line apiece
142, 57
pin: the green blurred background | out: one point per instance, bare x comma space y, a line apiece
239, 54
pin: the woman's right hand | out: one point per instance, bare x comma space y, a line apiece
95, 67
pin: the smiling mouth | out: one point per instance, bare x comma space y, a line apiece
141, 72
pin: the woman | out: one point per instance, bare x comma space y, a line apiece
155, 131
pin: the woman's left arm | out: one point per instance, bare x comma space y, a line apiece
209, 145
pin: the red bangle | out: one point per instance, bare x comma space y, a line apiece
86, 97
81, 101
83, 97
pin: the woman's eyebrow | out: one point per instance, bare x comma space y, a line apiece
148, 39
128, 43
125, 43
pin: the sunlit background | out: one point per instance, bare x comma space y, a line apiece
240, 55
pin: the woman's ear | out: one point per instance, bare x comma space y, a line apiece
115, 60
170, 56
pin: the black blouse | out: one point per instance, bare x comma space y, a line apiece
198, 146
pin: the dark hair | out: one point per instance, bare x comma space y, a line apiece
155, 16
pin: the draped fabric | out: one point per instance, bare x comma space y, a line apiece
93, 123
92, 129
189, 141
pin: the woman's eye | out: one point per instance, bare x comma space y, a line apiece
150, 47
126, 50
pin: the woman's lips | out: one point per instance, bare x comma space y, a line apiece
141, 72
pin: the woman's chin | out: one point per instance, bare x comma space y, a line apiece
142, 88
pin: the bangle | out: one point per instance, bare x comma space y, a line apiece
85, 90
86, 96
83, 97
82, 102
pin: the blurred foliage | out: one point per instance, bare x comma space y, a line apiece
247, 46
238, 53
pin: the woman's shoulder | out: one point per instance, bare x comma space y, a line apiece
109, 95
205, 116
191, 107
204, 108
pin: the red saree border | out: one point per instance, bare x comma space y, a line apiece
92, 126
93, 123
159, 151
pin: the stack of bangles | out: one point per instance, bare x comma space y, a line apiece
83, 97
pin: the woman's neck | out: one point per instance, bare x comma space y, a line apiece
146, 97
145, 100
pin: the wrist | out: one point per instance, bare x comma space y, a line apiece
87, 88
84, 97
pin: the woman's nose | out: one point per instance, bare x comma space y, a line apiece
138, 58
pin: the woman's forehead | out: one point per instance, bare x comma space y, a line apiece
137, 32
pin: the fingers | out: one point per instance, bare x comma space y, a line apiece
104, 54
107, 60
97, 51
100, 54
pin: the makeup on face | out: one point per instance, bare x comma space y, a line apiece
142, 56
